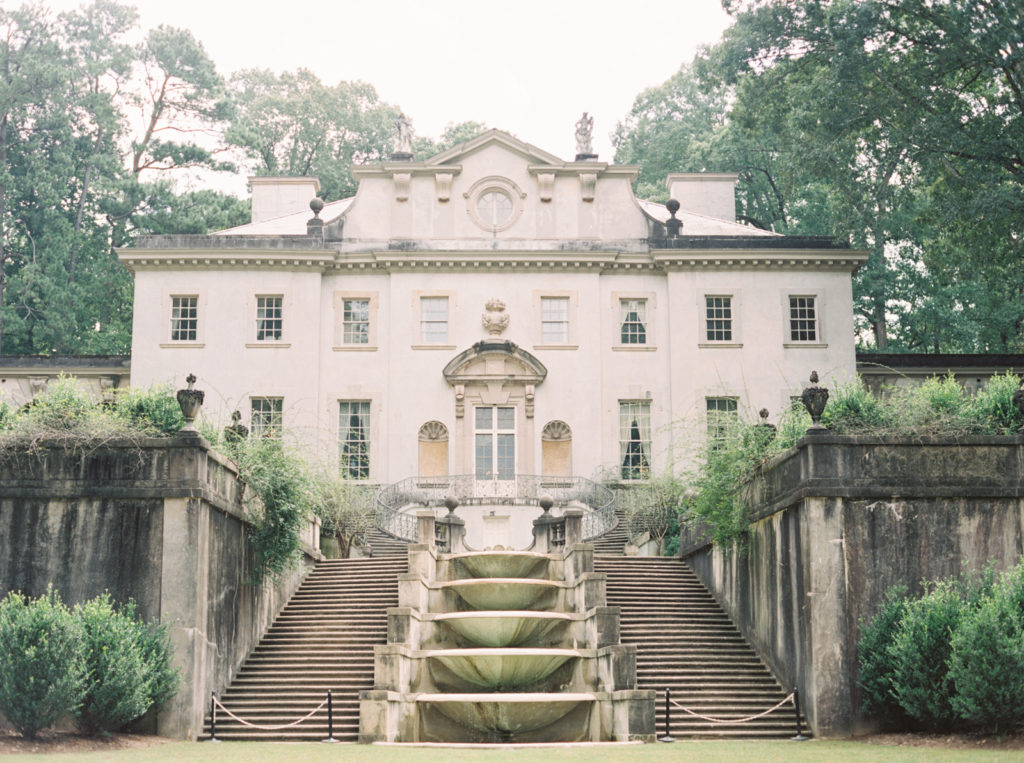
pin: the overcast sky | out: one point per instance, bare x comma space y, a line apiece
530, 67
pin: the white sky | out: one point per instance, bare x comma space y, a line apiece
530, 67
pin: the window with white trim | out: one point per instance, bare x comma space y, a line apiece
267, 416
635, 439
433, 320
184, 318
355, 321
718, 317
554, 320
803, 319
723, 413
269, 318
354, 439
633, 321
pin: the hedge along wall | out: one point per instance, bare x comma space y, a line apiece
160, 522
840, 520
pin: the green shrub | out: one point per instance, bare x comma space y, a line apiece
6, 415
117, 680
41, 661
993, 405
154, 410
921, 653
938, 406
853, 409
63, 406
877, 667
279, 480
986, 665
157, 654
346, 509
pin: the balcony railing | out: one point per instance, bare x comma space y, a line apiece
395, 502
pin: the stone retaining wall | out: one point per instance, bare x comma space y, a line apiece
840, 520
159, 521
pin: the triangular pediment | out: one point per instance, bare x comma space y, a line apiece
528, 151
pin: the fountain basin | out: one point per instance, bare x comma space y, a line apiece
494, 669
502, 564
512, 628
510, 715
506, 593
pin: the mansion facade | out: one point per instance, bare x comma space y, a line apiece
492, 311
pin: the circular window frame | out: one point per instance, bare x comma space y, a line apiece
494, 184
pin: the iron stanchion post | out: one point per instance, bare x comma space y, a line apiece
796, 706
330, 718
213, 717
668, 717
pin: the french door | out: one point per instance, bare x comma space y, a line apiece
494, 448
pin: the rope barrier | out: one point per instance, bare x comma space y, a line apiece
732, 720
271, 728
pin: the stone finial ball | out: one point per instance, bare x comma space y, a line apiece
546, 502
763, 413
316, 204
451, 502
672, 206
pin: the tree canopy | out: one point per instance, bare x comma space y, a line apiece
895, 125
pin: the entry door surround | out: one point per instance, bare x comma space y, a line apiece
494, 374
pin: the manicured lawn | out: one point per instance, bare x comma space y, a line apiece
726, 752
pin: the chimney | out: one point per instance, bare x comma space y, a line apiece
712, 194
279, 196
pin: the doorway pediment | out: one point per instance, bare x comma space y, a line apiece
494, 363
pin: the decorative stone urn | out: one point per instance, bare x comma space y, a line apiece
765, 431
237, 431
190, 401
814, 399
1018, 401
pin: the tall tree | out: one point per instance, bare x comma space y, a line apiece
294, 124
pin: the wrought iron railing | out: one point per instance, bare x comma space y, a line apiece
395, 502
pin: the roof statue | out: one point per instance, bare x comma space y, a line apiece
403, 135
585, 136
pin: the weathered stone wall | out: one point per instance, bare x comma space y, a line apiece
839, 521
160, 522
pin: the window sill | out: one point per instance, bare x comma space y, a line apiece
182, 345
805, 345
634, 347
721, 345
268, 345
355, 348
432, 347
556, 347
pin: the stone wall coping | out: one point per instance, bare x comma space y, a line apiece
134, 486
882, 468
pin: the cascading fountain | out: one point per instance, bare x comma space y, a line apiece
504, 646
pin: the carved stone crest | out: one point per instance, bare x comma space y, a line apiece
495, 319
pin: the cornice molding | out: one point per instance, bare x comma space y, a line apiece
214, 259
389, 169
760, 259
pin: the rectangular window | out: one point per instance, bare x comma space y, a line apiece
633, 320
635, 439
269, 319
718, 312
354, 438
554, 320
267, 415
803, 320
356, 321
495, 442
184, 319
434, 320
723, 413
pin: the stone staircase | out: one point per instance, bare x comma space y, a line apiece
686, 642
323, 639
382, 544
614, 541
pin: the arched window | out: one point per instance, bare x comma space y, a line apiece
433, 450
556, 449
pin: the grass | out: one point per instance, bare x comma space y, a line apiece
727, 752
